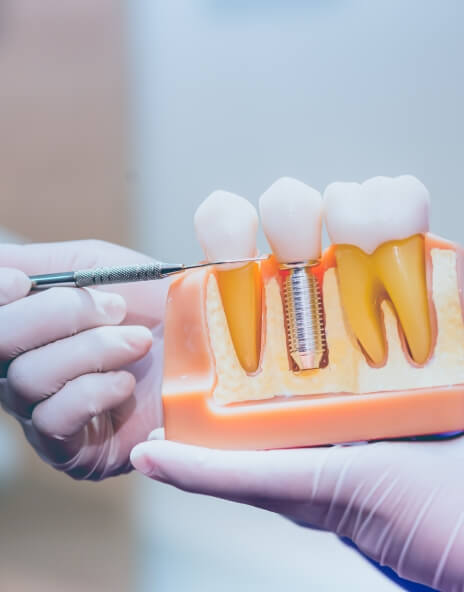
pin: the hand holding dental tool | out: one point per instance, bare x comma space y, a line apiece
84, 366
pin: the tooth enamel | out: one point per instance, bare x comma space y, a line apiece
291, 214
226, 226
379, 210
377, 227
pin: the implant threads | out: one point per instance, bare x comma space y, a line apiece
304, 317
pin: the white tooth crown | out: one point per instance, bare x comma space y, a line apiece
379, 210
291, 214
226, 226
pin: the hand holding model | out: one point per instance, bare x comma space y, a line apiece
400, 502
81, 368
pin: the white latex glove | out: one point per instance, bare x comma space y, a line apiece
401, 503
84, 388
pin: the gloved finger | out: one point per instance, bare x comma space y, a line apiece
59, 421
65, 256
269, 477
39, 258
54, 314
14, 284
42, 372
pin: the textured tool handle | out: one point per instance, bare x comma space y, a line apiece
118, 274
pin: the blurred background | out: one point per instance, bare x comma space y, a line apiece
116, 120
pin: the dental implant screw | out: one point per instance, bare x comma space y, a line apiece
304, 318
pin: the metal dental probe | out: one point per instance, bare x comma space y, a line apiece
120, 274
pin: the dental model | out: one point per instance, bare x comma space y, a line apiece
291, 213
392, 314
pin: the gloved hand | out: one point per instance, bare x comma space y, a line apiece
401, 503
84, 387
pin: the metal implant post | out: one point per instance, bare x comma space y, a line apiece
304, 317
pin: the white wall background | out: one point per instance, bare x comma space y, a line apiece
233, 95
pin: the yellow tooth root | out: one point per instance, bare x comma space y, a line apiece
360, 293
396, 269
241, 298
401, 266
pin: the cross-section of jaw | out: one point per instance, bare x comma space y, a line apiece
378, 227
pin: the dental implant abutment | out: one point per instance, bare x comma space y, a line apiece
304, 317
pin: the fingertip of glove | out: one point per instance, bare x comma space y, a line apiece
143, 336
139, 339
141, 460
124, 380
14, 284
157, 434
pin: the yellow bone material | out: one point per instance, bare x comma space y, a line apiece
241, 297
348, 370
396, 269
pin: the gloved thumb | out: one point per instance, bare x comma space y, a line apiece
279, 480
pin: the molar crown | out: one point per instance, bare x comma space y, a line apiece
377, 227
379, 210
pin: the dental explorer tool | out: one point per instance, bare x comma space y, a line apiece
120, 274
